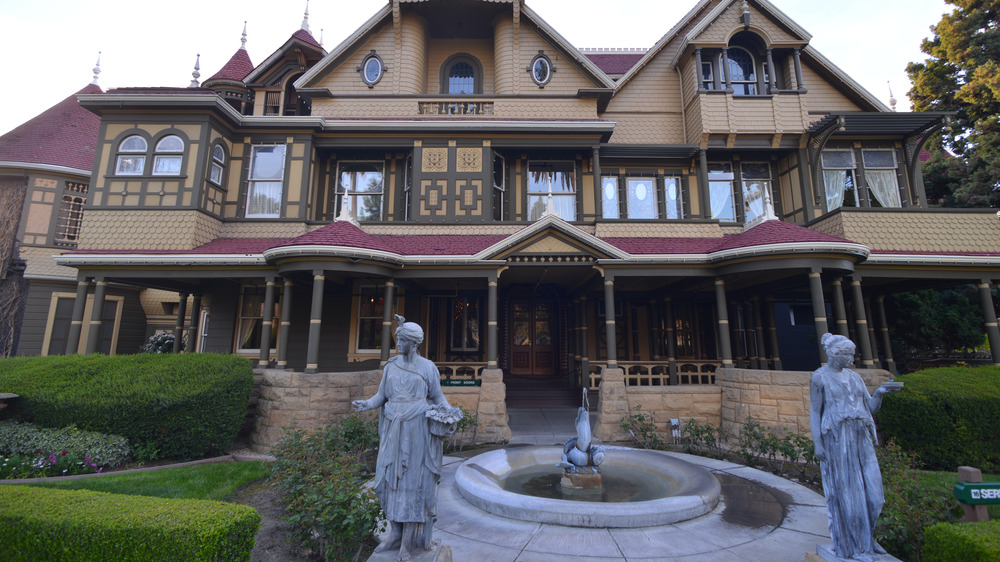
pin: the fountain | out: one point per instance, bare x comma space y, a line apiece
584, 485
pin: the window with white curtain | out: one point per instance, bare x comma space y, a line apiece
267, 173
756, 188
557, 179
842, 181
838, 179
880, 175
720, 191
251, 320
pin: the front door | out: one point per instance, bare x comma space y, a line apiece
532, 338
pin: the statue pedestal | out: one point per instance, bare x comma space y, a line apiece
440, 554
581, 484
825, 553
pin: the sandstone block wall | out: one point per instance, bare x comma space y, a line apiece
287, 400
683, 402
778, 399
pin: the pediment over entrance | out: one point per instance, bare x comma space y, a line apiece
551, 237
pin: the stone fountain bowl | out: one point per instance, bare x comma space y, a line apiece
694, 491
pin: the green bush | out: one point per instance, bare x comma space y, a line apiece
322, 476
908, 507
28, 439
949, 417
948, 542
642, 427
57, 525
178, 406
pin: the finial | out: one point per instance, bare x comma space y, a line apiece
892, 99
243, 40
346, 214
97, 68
195, 75
321, 37
305, 18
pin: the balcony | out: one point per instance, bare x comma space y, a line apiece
459, 107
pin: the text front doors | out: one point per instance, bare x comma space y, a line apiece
533, 330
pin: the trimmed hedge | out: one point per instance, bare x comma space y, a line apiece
948, 542
45, 524
178, 406
949, 417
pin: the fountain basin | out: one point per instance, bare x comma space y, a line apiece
693, 491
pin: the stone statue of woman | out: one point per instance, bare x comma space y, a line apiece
844, 435
414, 420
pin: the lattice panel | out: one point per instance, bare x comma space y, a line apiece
469, 160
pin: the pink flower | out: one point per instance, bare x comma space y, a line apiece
64, 453
100, 469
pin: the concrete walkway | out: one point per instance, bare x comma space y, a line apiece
760, 517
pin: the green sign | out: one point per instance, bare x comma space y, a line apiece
470, 382
978, 493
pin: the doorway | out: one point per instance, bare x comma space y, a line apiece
533, 332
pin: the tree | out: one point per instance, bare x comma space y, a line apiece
932, 320
962, 74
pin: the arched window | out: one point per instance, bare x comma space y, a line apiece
132, 156
742, 72
218, 165
461, 75
168, 155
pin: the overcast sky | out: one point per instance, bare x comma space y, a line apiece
50, 46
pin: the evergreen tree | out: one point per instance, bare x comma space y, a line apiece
962, 74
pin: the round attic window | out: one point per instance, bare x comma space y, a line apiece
372, 69
541, 69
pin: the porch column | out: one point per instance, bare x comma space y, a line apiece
735, 350
861, 325
819, 311
598, 190
386, 322
668, 305
890, 364
758, 323
76, 325
577, 319
772, 83
264, 357
990, 317
871, 332
195, 321
315, 321
285, 323
609, 321
726, 73
94, 329
839, 310
656, 334
798, 70
584, 337
772, 332
725, 347
179, 324
492, 344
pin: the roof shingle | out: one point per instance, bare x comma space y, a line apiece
63, 135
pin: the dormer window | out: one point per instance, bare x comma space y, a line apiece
168, 156
131, 157
461, 75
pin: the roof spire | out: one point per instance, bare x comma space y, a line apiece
321, 37
892, 99
243, 40
97, 68
195, 75
305, 18
346, 213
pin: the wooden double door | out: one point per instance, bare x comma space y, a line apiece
533, 337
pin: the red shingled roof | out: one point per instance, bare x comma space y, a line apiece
345, 234
304, 35
236, 69
768, 232
63, 135
614, 63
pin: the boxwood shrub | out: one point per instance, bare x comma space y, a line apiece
948, 417
48, 524
946, 542
178, 406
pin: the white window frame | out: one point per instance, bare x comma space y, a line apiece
216, 173
253, 182
162, 155
354, 196
722, 176
124, 154
557, 196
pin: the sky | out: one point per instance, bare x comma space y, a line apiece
50, 47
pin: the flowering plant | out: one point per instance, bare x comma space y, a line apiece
41, 465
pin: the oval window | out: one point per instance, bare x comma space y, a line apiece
541, 69
372, 69
610, 190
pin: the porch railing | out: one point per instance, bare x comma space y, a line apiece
461, 371
657, 373
456, 107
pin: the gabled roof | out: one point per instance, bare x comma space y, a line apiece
63, 135
385, 13
301, 37
238, 67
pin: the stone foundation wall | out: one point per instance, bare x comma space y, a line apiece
777, 399
287, 400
